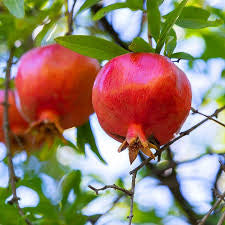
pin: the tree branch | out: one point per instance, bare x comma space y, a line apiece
108, 27
219, 200
108, 187
221, 197
127, 192
13, 178
70, 17
130, 217
210, 118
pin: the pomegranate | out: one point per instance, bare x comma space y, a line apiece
54, 87
18, 125
140, 97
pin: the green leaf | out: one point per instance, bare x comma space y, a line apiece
198, 24
214, 45
68, 182
83, 199
196, 18
135, 4
53, 14
170, 43
170, 21
16, 7
182, 55
39, 38
160, 2
142, 217
223, 74
85, 136
92, 46
140, 45
103, 11
87, 4
154, 18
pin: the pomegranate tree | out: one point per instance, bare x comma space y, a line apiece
140, 97
54, 87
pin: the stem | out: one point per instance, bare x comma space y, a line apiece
110, 186
70, 17
13, 179
203, 220
109, 28
210, 118
132, 198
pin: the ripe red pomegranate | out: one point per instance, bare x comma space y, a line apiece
54, 87
138, 96
18, 125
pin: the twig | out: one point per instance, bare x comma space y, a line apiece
221, 197
13, 178
222, 165
127, 192
210, 118
203, 220
70, 17
182, 134
130, 217
110, 186
178, 60
108, 27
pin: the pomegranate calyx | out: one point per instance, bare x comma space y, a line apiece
136, 141
45, 131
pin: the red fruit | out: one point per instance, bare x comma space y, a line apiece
138, 96
54, 86
18, 125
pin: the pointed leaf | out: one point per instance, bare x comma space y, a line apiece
103, 11
182, 55
91, 46
170, 21
170, 43
140, 45
87, 4
154, 18
16, 7
198, 24
85, 136
135, 4
196, 18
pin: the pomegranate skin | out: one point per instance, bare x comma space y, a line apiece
54, 85
140, 95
